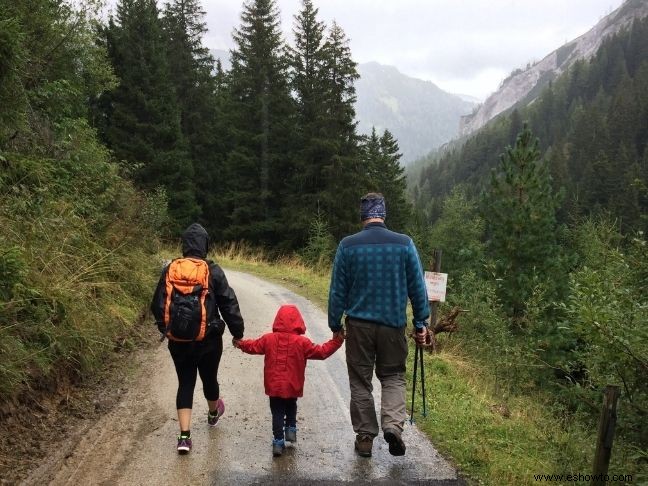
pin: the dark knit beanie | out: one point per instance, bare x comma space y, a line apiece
372, 206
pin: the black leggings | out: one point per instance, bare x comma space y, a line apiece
193, 358
284, 414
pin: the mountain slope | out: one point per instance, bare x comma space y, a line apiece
418, 113
592, 123
524, 85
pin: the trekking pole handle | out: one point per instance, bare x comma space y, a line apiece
428, 338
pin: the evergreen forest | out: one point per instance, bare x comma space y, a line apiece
116, 133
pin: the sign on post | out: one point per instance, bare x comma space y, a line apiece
435, 283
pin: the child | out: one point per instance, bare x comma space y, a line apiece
286, 351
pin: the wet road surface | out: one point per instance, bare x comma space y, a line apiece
135, 443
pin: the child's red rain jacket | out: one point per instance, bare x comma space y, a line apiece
286, 351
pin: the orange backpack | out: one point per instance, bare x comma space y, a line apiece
187, 286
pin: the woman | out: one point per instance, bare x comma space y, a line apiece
189, 301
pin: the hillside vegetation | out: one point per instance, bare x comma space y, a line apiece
592, 123
542, 218
482, 411
105, 148
77, 240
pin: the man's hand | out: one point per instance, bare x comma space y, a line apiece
235, 342
420, 336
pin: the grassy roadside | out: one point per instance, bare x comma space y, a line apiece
490, 440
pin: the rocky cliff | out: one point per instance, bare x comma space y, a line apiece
524, 85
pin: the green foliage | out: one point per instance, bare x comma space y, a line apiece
50, 66
12, 97
381, 160
75, 250
591, 124
202, 117
520, 210
140, 119
83, 271
320, 249
262, 126
459, 232
607, 312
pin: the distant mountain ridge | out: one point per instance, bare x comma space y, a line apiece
418, 113
524, 85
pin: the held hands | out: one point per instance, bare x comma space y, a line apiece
235, 342
339, 335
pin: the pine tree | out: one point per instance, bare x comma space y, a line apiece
307, 65
192, 74
262, 123
520, 212
142, 117
311, 147
190, 64
381, 160
342, 173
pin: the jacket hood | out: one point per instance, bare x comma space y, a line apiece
289, 319
195, 241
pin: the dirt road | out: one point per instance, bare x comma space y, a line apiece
135, 442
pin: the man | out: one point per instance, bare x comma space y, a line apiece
374, 273
199, 354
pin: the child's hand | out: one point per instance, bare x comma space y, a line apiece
235, 342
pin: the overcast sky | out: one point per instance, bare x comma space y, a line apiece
464, 46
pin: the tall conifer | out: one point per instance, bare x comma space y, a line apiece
312, 148
343, 173
520, 213
192, 73
142, 117
260, 166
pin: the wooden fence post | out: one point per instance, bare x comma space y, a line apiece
607, 425
436, 267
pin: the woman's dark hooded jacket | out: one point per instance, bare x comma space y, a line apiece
221, 303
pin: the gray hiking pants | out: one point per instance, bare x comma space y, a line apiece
368, 345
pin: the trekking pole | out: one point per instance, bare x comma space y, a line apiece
423, 381
414, 384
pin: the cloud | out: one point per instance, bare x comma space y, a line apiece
457, 43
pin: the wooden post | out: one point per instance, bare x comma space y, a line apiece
436, 267
607, 425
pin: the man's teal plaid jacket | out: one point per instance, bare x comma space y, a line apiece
374, 273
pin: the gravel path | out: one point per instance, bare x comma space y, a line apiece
135, 442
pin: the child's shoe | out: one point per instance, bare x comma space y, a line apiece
212, 418
278, 446
184, 444
291, 434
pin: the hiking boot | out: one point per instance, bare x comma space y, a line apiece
291, 434
363, 445
184, 444
278, 446
396, 444
212, 417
